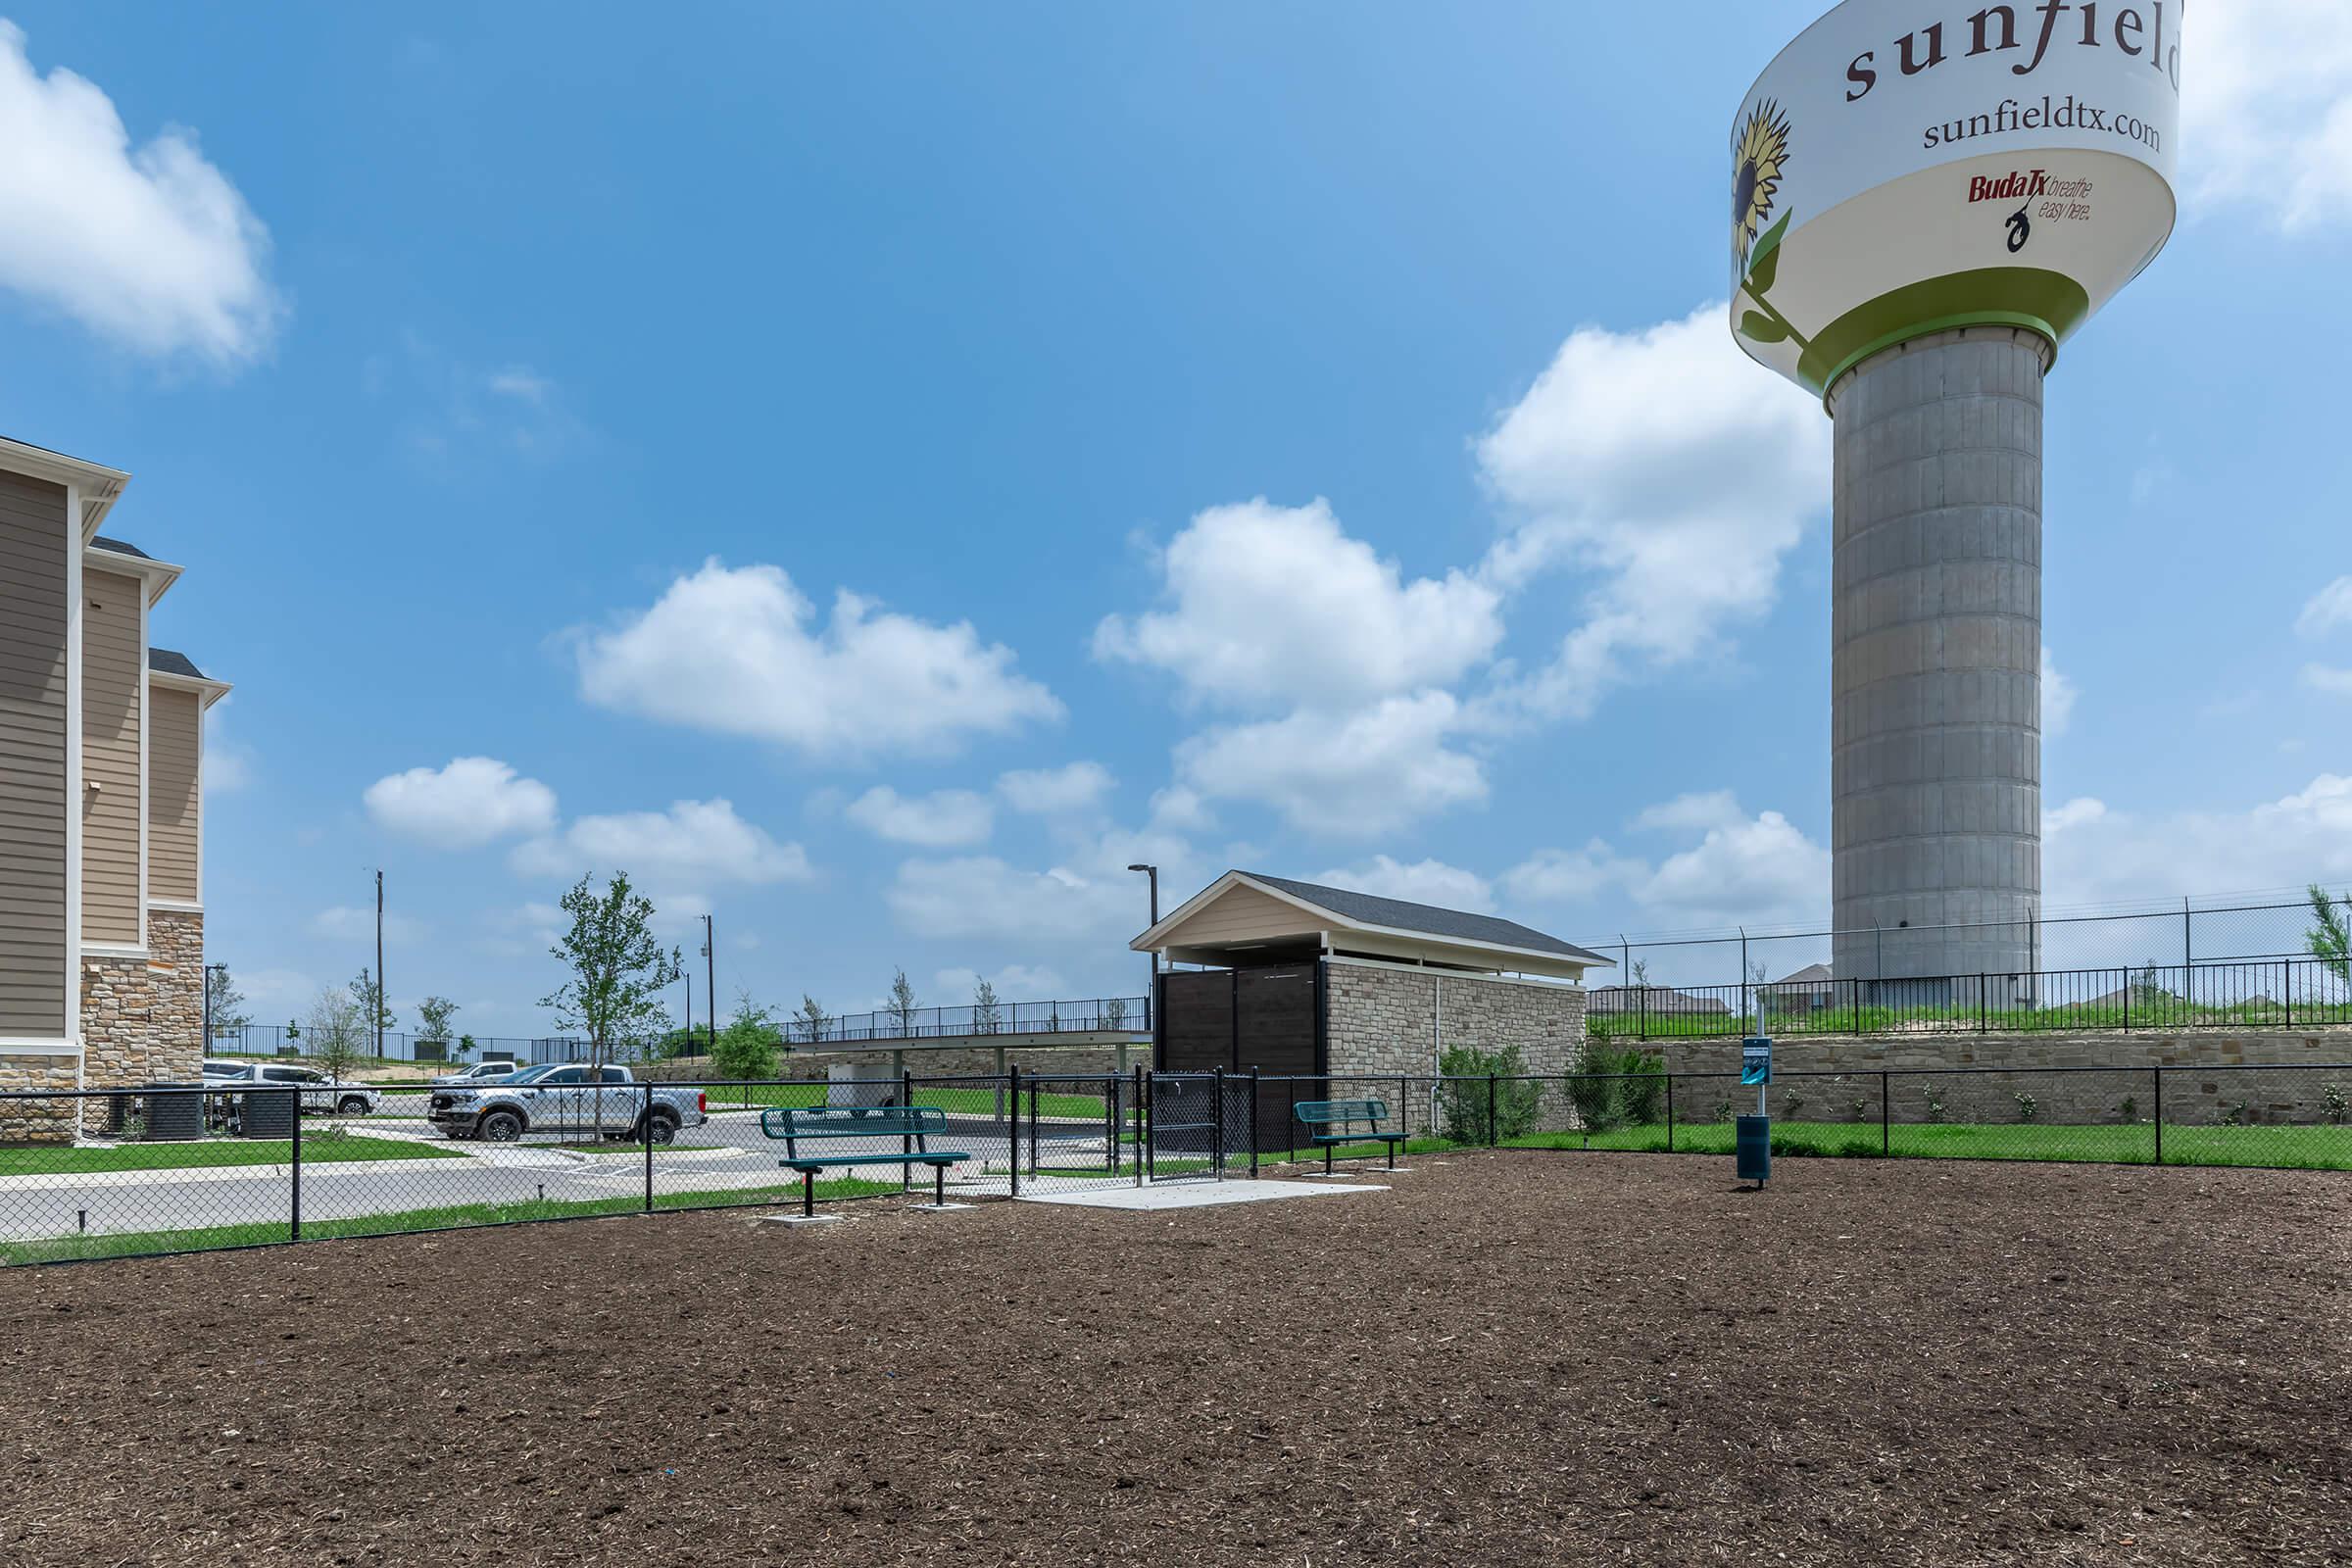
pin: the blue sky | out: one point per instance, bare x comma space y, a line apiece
874, 472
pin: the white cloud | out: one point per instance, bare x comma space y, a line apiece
2328, 678
1053, 791
463, 805
1014, 983
694, 840
229, 764
152, 248
985, 897
2058, 694
1670, 471
520, 383
2102, 855
1271, 607
1760, 869
2081, 812
1089, 902
2268, 108
2329, 609
268, 990
1352, 774
350, 921
1448, 887
737, 651
941, 820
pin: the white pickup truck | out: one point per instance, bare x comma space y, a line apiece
586, 1102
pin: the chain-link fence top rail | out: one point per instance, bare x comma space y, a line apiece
174, 1168
2179, 933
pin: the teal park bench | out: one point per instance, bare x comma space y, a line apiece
1334, 1122
912, 1126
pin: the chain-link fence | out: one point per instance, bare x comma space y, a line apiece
170, 1168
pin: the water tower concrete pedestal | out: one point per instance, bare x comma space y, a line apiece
1936, 665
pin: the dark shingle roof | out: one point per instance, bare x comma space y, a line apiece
102, 542
1427, 919
164, 662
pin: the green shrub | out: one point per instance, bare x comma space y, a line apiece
1622, 1087
1464, 1102
1859, 1148
2337, 1108
746, 1048
2028, 1107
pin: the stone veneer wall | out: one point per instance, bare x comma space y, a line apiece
142, 1020
2022, 1063
38, 1121
1392, 1021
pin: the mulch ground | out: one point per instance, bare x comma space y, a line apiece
1511, 1360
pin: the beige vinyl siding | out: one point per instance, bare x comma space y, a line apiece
33, 610
112, 666
1244, 914
175, 741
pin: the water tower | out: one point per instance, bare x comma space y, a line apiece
1930, 198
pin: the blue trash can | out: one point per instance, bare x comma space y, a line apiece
1753, 1149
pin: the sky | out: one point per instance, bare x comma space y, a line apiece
874, 473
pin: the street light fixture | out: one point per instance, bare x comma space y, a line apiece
1153, 871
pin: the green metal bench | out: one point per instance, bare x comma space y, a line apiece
913, 1125
1323, 1116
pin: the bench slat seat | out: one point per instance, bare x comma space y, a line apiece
912, 1126
1346, 1114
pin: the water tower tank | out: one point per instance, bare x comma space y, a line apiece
1929, 198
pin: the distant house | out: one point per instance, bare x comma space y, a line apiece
1656, 1001
1811, 988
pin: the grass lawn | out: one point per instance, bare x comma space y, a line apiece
2253, 1148
317, 1149
133, 1244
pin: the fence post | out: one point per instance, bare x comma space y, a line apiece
1981, 1008
2159, 1115
1253, 1091
1669, 1114
1216, 1163
1886, 1120
294, 1219
1494, 1121
1012, 1128
906, 1107
2287, 985
645, 1132
1135, 1115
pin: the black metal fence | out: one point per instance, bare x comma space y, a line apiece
2188, 933
2256, 994
169, 1169
1091, 1015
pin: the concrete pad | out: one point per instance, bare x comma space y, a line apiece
1190, 1195
800, 1219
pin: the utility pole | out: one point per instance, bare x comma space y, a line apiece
688, 977
377, 1001
711, 983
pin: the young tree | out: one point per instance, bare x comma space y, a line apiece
462, 1049
368, 997
746, 1048
618, 974
2330, 938
988, 1013
811, 1020
223, 1002
433, 1022
338, 1033
902, 1002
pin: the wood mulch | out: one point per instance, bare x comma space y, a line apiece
1516, 1359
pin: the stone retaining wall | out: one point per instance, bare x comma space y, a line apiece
2021, 1064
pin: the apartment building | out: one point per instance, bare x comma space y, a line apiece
101, 794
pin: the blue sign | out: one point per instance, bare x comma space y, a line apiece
1756, 1062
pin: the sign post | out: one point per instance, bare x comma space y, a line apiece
1752, 1147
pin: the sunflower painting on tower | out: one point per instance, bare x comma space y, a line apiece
1759, 155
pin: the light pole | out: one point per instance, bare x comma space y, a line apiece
1153, 871
376, 1024
710, 985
